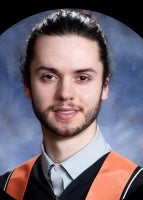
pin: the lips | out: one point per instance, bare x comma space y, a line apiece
64, 113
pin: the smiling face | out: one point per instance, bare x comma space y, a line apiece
66, 77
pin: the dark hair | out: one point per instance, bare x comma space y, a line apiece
63, 22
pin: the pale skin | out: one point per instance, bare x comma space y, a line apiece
66, 86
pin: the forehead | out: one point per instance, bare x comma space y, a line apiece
66, 50
69, 41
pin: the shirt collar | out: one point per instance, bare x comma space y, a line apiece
80, 161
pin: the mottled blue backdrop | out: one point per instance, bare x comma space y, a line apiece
121, 116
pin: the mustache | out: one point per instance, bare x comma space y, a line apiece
64, 106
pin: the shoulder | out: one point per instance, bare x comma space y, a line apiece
134, 188
3, 179
116, 156
117, 161
134, 173
5, 196
19, 170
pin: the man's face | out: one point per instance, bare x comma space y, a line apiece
66, 83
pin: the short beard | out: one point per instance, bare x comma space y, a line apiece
90, 117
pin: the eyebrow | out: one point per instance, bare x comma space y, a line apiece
49, 69
55, 71
86, 70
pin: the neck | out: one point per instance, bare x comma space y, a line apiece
61, 148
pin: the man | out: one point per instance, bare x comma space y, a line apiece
66, 75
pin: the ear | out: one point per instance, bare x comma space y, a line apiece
27, 91
105, 89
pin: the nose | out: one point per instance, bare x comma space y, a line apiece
65, 90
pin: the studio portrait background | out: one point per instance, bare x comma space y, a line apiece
121, 116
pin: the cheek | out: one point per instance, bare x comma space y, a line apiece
40, 96
91, 96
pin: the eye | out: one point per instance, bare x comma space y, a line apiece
48, 77
83, 78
